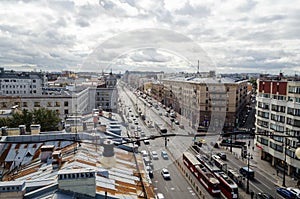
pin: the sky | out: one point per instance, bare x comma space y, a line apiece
229, 36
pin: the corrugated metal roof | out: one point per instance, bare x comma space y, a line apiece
105, 182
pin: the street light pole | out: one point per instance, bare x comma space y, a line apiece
248, 158
284, 163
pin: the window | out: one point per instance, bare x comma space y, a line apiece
66, 103
57, 104
37, 104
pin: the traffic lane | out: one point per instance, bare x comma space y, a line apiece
176, 187
261, 183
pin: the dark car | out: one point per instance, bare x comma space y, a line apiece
222, 155
264, 196
286, 193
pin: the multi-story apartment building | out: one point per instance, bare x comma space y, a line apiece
207, 102
30, 90
106, 93
21, 83
278, 113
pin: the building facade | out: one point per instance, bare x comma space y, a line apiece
278, 113
21, 83
207, 102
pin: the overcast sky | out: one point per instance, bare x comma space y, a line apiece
170, 35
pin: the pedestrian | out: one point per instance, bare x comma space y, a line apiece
252, 194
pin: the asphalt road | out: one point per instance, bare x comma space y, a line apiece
177, 187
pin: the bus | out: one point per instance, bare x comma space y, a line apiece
160, 128
219, 163
227, 186
204, 176
235, 176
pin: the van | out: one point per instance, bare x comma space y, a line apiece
247, 172
294, 191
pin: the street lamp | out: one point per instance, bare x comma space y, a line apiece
249, 156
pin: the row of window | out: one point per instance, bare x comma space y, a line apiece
12, 188
76, 175
17, 86
15, 80
276, 147
293, 111
294, 89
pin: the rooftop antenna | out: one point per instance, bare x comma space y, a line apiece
198, 67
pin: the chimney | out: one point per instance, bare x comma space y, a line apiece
56, 159
4, 131
46, 152
35, 129
22, 129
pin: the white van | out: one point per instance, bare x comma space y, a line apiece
294, 191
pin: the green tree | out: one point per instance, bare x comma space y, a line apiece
48, 119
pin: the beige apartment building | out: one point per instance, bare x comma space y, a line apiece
207, 102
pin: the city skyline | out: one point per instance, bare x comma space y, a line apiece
229, 37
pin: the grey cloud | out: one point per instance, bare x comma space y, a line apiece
248, 6
82, 23
270, 19
149, 55
199, 11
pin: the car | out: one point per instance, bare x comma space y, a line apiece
144, 153
263, 196
295, 191
164, 155
172, 119
146, 142
136, 123
286, 193
222, 155
154, 155
142, 134
176, 122
165, 173
160, 196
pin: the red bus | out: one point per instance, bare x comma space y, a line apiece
205, 177
228, 187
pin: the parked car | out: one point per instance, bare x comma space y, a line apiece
222, 155
144, 153
176, 122
286, 193
264, 196
154, 155
165, 173
164, 155
142, 134
146, 142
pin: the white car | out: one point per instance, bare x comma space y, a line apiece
154, 155
144, 153
160, 196
165, 173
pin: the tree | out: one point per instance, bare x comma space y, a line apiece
48, 119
